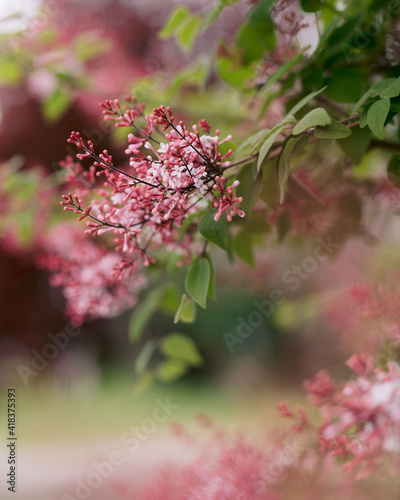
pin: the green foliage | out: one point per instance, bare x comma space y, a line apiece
182, 25
215, 231
284, 165
182, 348
198, 280
186, 311
335, 130
316, 117
377, 115
55, 105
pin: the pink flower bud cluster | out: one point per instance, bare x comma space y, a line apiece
170, 176
84, 270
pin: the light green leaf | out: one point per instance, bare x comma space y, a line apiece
253, 140
211, 287
182, 348
268, 132
271, 136
56, 105
170, 370
187, 34
215, 232
376, 116
198, 280
382, 85
370, 93
284, 166
175, 21
392, 90
186, 311
335, 130
316, 117
234, 74
243, 246
297, 107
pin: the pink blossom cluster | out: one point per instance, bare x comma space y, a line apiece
85, 272
227, 467
169, 177
361, 419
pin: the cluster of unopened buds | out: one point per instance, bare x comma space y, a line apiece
170, 176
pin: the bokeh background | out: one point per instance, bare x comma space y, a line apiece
58, 60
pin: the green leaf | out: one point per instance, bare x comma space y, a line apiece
233, 73
198, 280
367, 95
253, 140
249, 189
392, 90
169, 300
335, 130
55, 105
300, 144
243, 246
382, 85
143, 359
284, 166
142, 314
187, 34
268, 132
186, 311
260, 14
376, 116
356, 145
270, 139
170, 370
364, 115
215, 231
182, 348
311, 5
10, 72
317, 116
254, 41
90, 44
175, 21
211, 287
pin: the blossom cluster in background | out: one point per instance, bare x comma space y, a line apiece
85, 272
